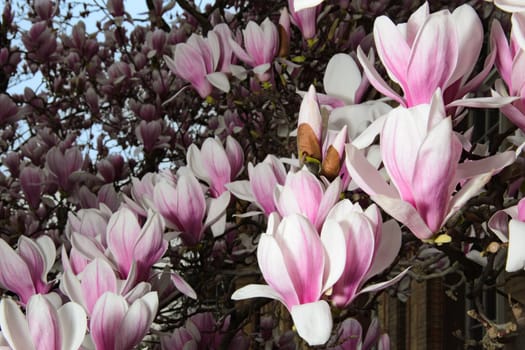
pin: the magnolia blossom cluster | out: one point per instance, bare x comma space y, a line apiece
112, 251
207, 63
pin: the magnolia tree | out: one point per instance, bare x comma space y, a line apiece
252, 174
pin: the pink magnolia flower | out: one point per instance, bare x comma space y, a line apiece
305, 19
62, 164
452, 41
215, 163
43, 326
24, 272
150, 134
421, 153
142, 191
184, 207
8, 109
227, 56
264, 177
512, 232
31, 181
261, 46
95, 279
371, 247
116, 324
127, 243
196, 61
510, 61
299, 266
304, 194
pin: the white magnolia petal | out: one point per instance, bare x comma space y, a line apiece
219, 80
382, 285
342, 77
313, 322
516, 253
304, 4
241, 189
334, 243
14, 326
256, 291
73, 325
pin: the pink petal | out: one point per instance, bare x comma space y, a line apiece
183, 286
302, 193
241, 53
469, 40
43, 322
375, 79
434, 173
14, 326
135, 325
73, 325
217, 165
270, 40
122, 233
494, 163
521, 210
469, 190
333, 239
71, 287
330, 197
273, 268
235, 155
30, 252
108, 313
504, 55
405, 213
253, 42
262, 183
372, 334
416, 21
14, 273
435, 42
402, 135
392, 49
97, 278
360, 246
382, 285
304, 256
310, 114
365, 175
88, 247
387, 250
151, 244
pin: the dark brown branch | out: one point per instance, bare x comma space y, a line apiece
202, 19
